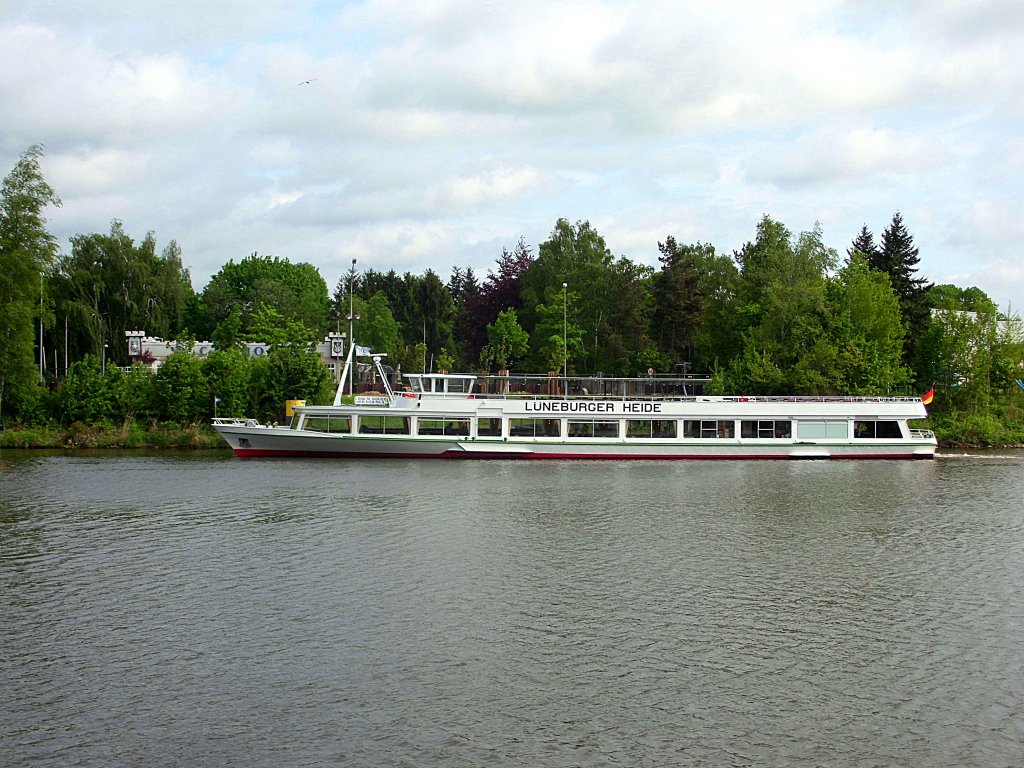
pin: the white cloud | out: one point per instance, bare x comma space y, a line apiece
433, 132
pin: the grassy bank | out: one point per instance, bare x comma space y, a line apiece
128, 435
952, 430
1000, 426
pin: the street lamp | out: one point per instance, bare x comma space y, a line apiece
351, 334
41, 379
565, 334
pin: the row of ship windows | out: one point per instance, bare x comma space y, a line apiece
664, 429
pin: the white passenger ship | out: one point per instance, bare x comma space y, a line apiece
522, 417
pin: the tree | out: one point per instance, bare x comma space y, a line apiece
557, 339
864, 244
227, 371
784, 299
611, 304
270, 326
866, 329
350, 282
437, 312
621, 328
182, 393
378, 328
899, 259
108, 284
720, 334
954, 298
464, 289
288, 373
87, 395
27, 251
295, 291
678, 300
500, 291
507, 341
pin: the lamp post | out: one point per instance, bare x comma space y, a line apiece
565, 334
351, 333
41, 328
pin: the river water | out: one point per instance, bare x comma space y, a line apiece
200, 610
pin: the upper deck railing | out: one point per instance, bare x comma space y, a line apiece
650, 388
655, 387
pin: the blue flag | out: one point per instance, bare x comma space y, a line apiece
1020, 383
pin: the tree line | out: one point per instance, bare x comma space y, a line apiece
783, 314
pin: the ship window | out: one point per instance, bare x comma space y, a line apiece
383, 425
767, 428
534, 427
593, 428
836, 430
660, 428
488, 427
443, 427
888, 430
708, 428
328, 423
458, 385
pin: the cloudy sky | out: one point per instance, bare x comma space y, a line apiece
434, 133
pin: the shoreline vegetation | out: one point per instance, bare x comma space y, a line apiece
783, 315
131, 435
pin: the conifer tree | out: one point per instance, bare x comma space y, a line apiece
899, 260
864, 243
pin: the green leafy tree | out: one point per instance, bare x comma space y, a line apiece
136, 396
612, 305
557, 339
650, 358
464, 289
784, 298
867, 330
349, 283
507, 341
296, 292
953, 298
270, 326
181, 391
678, 298
89, 396
227, 334
228, 372
378, 329
621, 327
719, 337
973, 356
289, 373
108, 284
438, 312
27, 251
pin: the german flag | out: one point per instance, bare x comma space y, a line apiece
928, 396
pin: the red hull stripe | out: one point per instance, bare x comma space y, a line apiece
246, 453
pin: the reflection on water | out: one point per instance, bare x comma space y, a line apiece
181, 609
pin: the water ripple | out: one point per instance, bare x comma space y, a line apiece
169, 610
